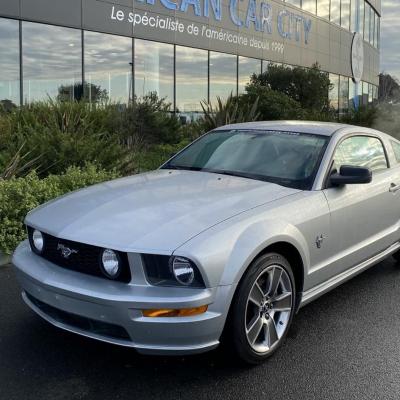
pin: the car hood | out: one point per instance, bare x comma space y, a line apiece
154, 212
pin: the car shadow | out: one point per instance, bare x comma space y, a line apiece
51, 361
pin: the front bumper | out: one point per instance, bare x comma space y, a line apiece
111, 311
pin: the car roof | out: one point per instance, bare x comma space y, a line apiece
318, 128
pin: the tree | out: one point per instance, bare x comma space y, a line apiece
7, 105
309, 87
87, 92
389, 88
271, 104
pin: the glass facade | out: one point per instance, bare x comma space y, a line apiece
335, 11
310, 6
345, 14
70, 64
191, 78
247, 67
52, 62
9, 63
343, 94
223, 71
323, 8
108, 67
154, 69
296, 3
334, 91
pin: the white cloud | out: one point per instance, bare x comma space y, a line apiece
390, 37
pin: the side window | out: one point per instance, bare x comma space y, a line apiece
361, 151
396, 150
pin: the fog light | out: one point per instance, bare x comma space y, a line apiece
170, 312
37, 241
110, 263
183, 270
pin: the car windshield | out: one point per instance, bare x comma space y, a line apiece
286, 158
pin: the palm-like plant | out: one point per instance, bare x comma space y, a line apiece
19, 164
228, 112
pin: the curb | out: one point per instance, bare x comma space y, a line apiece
4, 259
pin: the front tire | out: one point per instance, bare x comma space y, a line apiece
262, 309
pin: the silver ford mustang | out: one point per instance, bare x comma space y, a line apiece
228, 239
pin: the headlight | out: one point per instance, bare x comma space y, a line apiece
37, 241
111, 264
171, 271
183, 270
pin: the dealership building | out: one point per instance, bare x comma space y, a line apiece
185, 50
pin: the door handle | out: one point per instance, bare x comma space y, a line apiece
394, 188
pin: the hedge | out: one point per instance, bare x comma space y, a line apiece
20, 195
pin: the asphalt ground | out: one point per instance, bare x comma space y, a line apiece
345, 345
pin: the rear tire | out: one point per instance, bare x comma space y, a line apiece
262, 309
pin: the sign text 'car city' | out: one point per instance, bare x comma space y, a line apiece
257, 15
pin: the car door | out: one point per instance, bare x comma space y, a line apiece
364, 217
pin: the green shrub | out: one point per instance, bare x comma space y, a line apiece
60, 135
363, 116
272, 105
20, 195
226, 112
148, 121
156, 155
309, 87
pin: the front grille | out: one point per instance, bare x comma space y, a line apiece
76, 321
85, 258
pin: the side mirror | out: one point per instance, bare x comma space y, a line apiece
351, 175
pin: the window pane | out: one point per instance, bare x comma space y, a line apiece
191, 78
371, 25
310, 6
334, 92
353, 21
223, 70
364, 93
361, 151
366, 22
108, 72
378, 33
352, 94
52, 61
360, 93
9, 62
247, 67
154, 69
323, 8
345, 14
370, 93
343, 94
294, 2
335, 11
361, 20
396, 150
376, 93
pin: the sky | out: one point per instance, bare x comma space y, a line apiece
390, 37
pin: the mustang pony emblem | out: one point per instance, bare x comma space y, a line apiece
66, 251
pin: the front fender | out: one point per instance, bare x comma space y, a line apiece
254, 239
224, 252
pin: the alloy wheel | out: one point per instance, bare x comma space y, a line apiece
268, 309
